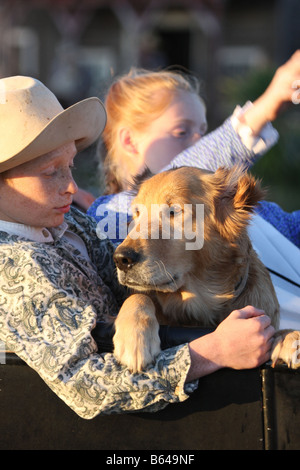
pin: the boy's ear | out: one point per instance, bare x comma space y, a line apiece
125, 136
237, 194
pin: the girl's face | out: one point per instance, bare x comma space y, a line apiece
179, 127
38, 193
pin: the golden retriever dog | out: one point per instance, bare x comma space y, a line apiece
189, 261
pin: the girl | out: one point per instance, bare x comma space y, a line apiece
154, 116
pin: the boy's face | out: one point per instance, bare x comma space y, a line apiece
38, 193
179, 127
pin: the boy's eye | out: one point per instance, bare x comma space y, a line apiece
49, 172
54, 171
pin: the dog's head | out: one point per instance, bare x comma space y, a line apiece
185, 221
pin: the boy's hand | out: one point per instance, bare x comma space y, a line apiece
242, 341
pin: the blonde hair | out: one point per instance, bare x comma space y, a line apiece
132, 101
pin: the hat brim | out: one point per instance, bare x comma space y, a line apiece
82, 123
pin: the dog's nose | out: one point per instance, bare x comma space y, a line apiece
126, 258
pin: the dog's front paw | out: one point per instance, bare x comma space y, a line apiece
286, 348
136, 339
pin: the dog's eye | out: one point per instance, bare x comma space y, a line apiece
174, 210
136, 213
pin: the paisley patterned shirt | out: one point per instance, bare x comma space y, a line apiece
50, 299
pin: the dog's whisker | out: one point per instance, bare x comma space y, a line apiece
169, 275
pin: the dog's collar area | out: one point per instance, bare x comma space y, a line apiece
240, 286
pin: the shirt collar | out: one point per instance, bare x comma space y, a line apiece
44, 234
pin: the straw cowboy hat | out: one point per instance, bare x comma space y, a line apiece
32, 121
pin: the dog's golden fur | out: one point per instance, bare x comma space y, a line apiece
190, 286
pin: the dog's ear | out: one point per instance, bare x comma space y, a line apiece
139, 179
237, 194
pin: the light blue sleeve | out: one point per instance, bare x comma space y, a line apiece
220, 148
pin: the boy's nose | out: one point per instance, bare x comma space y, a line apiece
69, 186
73, 188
